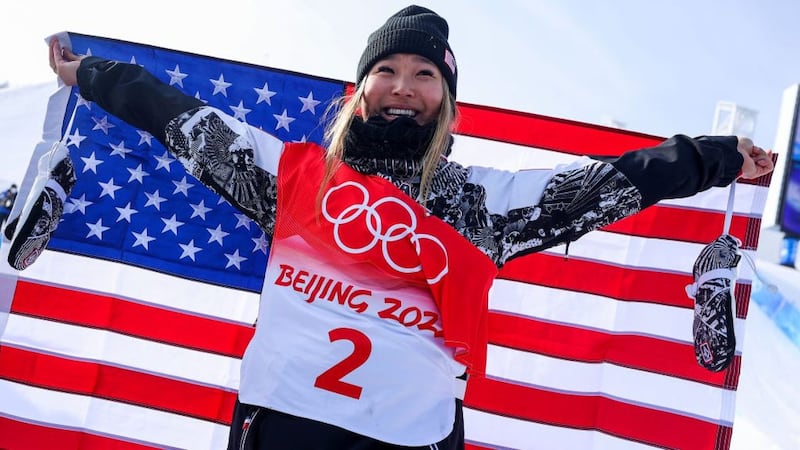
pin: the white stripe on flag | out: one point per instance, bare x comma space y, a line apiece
481, 428
109, 418
750, 200
145, 286
122, 351
596, 312
471, 151
632, 386
641, 253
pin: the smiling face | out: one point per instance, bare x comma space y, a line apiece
403, 85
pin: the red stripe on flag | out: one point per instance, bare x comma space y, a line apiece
18, 435
577, 344
752, 233
724, 435
565, 136
687, 225
468, 446
115, 383
130, 318
741, 294
618, 282
732, 373
591, 412
594, 277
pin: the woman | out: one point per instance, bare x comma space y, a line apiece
374, 301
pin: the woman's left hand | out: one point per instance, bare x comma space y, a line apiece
757, 161
64, 63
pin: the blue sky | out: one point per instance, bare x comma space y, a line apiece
657, 67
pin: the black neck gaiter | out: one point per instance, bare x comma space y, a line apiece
394, 147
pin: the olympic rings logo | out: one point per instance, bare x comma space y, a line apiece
375, 226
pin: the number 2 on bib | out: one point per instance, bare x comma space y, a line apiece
331, 379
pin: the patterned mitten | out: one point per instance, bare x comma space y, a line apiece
30, 232
714, 281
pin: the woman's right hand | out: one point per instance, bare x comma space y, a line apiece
757, 161
64, 63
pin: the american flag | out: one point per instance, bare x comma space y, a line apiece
128, 331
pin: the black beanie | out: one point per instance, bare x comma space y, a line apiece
416, 30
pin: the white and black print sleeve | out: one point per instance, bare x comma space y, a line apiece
482, 204
509, 214
230, 157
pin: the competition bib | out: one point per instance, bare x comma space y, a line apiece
370, 309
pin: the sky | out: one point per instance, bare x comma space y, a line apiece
656, 67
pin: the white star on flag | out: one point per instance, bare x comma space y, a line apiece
75, 139
182, 186
242, 220
137, 174
261, 244
189, 250
102, 124
83, 102
145, 138
283, 120
80, 204
309, 103
164, 161
234, 259
142, 239
125, 213
91, 163
220, 85
109, 188
264, 94
119, 149
199, 209
96, 229
176, 76
171, 224
239, 112
217, 235
154, 200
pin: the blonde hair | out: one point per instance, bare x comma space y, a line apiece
346, 108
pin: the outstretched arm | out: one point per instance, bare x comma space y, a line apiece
522, 218
124, 90
237, 161
682, 166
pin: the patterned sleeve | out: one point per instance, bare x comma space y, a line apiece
233, 159
510, 214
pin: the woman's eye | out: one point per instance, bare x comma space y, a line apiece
426, 73
386, 69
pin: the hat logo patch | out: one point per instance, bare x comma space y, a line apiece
450, 60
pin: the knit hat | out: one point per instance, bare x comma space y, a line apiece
416, 30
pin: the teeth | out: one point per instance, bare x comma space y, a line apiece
401, 112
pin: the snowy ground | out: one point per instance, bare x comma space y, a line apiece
768, 399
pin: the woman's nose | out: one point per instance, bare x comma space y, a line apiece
403, 85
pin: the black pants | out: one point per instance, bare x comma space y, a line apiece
257, 428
